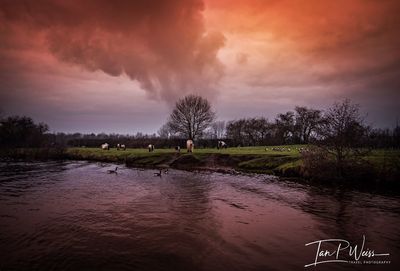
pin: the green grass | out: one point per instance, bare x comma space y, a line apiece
257, 157
251, 159
232, 151
384, 159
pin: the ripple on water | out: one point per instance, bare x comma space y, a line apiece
71, 216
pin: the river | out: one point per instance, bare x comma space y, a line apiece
75, 216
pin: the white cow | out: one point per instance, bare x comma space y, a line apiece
121, 146
189, 145
105, 146
151, 147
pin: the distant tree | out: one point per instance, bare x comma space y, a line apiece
250, 131
396, 137
218, 129
255, 130
264, 128
285, 126
307, 121
164, 131
191, 116
235, 131
19, 131
342, 131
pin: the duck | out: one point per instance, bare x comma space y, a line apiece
112, 171
166, 171
157, 173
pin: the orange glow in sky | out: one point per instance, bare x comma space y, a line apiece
76, 64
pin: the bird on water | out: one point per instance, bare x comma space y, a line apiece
157, 173
112, 171
161, 171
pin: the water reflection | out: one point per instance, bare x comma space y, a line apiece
74, 216
349, 215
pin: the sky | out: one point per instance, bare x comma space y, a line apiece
119, 66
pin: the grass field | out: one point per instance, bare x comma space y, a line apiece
291, 150
256, 159
288, 150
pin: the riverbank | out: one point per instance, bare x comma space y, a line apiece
257, 160
283, 161
278, 160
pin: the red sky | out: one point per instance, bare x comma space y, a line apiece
118, 66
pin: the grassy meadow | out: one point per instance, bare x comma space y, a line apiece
286, 162
291, 150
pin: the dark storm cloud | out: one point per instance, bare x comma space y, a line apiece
161, 44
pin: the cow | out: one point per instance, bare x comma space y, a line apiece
105, 146
221, 145
189, 145
150, 147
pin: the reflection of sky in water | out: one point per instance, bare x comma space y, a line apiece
74, 215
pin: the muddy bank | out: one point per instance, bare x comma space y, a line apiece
276, 165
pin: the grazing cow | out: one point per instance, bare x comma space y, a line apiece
150, 147
221, 145
177, 149
189, 145
105, 146
121, 146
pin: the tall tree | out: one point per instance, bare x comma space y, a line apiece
285, 126
307, 121
234, 131
218, 129
249, 131
342, 130
191, 116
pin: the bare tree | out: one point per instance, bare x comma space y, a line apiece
307, 121
191, 116
164, 131
285, 126
342, 131
234, 131
250, 131
218, 129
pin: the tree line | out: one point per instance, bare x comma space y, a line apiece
342, 123
293, 127
194, 118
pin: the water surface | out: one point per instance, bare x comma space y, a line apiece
75, 216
